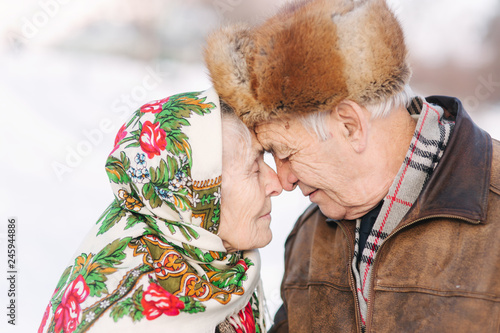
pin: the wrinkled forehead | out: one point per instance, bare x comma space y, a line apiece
241, 146
277, 136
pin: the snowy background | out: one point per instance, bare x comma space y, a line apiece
72, 71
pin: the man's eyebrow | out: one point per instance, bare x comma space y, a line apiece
269, 148
276, 148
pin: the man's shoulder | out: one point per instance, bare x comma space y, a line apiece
310, 212
313, 209
310, 219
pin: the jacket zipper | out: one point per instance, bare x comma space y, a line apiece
352, 283
372, 277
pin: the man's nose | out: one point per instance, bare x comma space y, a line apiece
286, 176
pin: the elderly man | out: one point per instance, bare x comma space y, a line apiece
404, 231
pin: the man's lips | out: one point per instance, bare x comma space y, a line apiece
310, 193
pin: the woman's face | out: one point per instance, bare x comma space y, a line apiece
247, 186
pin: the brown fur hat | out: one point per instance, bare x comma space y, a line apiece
308, 57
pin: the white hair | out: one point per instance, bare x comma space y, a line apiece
402, 99
316, 121
234, 129
236, 149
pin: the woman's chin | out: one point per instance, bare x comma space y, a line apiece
265, 240
262, 241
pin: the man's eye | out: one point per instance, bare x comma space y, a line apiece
284, 158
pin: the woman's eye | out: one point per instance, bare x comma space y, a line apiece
255, 167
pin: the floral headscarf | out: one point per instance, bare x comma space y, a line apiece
154, 260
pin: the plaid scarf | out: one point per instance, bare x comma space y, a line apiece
429, 141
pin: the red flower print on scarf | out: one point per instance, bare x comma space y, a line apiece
154, 106
242, 263
152, 139
44, 319
46, 314
119, 137
157, 301
68, 314
246, 319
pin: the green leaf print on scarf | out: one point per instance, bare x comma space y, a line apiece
130, 306
150, 226
232, 277
148, 190
110, 217
174, 114
125, 286
191, 305
167, 183
91, 270
196, 253
116, 168
95, 268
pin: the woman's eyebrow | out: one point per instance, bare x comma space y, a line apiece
256, 152
252, 159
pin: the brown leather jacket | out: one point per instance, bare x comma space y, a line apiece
439, 270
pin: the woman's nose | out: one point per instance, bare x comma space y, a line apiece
287, 178
273, 185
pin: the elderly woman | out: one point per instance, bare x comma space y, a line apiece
167, 255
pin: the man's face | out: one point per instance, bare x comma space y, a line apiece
326, 171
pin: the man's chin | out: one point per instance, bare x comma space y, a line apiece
332, 212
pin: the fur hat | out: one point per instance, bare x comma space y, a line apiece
308, 57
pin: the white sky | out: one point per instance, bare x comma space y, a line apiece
435, 29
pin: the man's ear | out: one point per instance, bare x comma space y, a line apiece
353, 122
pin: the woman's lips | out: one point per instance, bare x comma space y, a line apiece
266, 215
